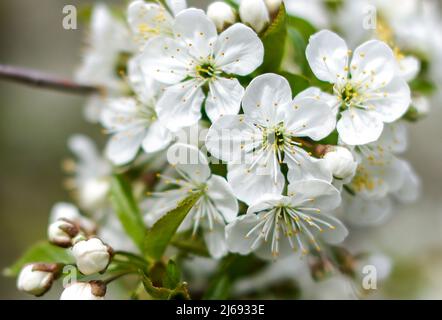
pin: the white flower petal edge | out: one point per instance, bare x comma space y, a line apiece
369, 89
256, 143
278, 225
196, 58
216, 207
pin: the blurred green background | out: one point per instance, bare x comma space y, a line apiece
35, 124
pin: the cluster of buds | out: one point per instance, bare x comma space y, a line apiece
91, 256
258, 13
255, 13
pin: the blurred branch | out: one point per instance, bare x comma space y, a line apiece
40, 79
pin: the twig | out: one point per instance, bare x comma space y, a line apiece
40, 79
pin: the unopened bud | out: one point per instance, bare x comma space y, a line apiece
91, 256
255, 14
221, 14
93, 193
273, 6
340, 162
37, 278
93, 290
320, 267
62, 232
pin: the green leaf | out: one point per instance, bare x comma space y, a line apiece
40, 252
127, 210
231, 268
193, 246
273, 39
219, 290
173, 275
178, 293
159, 236
297, 82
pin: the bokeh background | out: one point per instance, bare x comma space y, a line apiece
35, 124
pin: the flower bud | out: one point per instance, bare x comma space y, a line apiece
255, 14
92, 290
221, 14
273, 6
93, 193
61, 233
37, 278
340, 162
91, 256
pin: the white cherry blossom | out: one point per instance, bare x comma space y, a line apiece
369, 89
133, 122
147, 20
107, 38
91, 173
216, 207
279, 225
197, 58
256, 143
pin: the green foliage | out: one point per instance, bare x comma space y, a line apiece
158, 237
173, 275
127, 210
274, 38
299, 32
231, 268
40, 252
297, 82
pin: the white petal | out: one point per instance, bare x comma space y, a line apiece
302, 166
222, 197
316, 93
121, 114
239, 50
308, 117
336, 235
176, 5
224, 98
146, 88
197, 31
373, 63
64, 210
394, 137
157, 138
229, 137
267, 202
189, 161
123, 147
358, 127
321, 194
216, 241
410, 190
264, 95
236, 232
284, 250
148, 19
327, 55
409, 67
84, 148
180, 105
249, 185
392, 101
166, 60
362, 212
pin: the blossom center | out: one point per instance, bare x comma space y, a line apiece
275, 136
206, 70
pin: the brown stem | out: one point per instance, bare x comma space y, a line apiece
40, 79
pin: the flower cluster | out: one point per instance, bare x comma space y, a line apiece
224, 142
